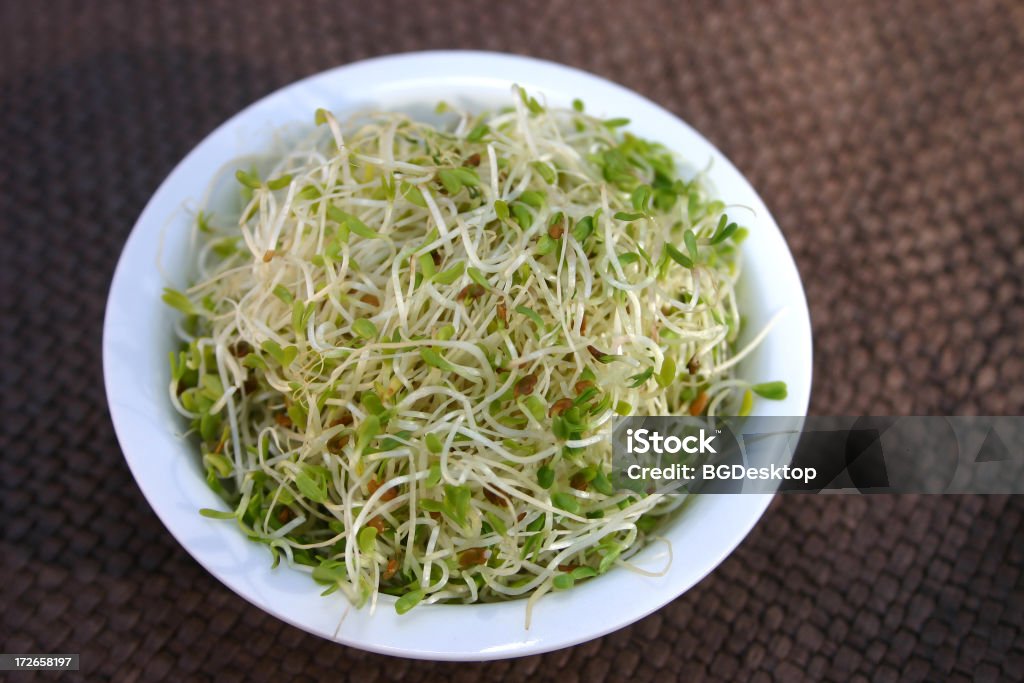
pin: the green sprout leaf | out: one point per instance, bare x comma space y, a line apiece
447, 277
724, 231
549, 174
499, 526
667, 374
641, 379
602, 484
176, 299
678, 256
563, 581
533, 316
425, 262
280, 182
250, 180
623, 216
566, 501
584, 572
477, 276
413, 195
282, 293
301, 314
545, 477
364, 328
775, 391
216, 514
366, 432
501, 209
617, 122
435, 359
367, 540
467, 176
535, 407
203, 222
251, 360
428, 505
584, 228
351, 222
408, 601
640, 197
450, 180
546, 245
312, 483
532, 104
330, 571
608, 560
522, 215
446, 332
284, 356
434, 476
478, 132
456, 503
533, 198
691, 244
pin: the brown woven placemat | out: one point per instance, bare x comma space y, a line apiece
886, 137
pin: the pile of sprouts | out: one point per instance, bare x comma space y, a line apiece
403, 357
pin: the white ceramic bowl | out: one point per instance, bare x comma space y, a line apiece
138, 336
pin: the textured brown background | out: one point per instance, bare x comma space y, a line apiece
887, 139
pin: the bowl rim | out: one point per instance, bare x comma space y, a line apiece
450, 59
